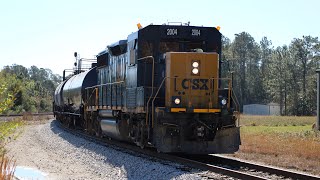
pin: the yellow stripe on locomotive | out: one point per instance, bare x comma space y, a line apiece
192, 85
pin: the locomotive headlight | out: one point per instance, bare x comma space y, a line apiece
177, 101
223, 102
195, 67
195, 71
195, 64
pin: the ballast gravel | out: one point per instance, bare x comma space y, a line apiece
61, 155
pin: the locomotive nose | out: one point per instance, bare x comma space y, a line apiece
192, 80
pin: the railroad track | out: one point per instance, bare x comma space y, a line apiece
32, 114
242, 166
211, 163
25, 116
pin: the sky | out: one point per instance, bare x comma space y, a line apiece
47, 33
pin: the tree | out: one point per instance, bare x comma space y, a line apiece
278, 77
33, 88
6, 97
247, 77
302, 52
266, 55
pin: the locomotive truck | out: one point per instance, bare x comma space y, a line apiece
160, 87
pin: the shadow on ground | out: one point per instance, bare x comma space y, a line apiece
123, 160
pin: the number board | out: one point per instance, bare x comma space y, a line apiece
182, 32
195, 32
172, 32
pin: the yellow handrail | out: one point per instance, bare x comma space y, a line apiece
152, 109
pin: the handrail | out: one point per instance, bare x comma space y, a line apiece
152, 84
97, 94
91, 94
99, 85
237, 106
152, 113
229, 93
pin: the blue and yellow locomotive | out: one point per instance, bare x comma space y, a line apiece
160, 87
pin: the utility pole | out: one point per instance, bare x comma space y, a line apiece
318, 99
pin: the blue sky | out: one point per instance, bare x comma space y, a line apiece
47, 33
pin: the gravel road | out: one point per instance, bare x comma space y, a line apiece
62, 155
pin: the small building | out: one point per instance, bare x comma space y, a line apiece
262, 109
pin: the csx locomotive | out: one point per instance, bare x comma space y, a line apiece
160, 87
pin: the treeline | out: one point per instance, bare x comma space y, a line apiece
26, 89
266, 74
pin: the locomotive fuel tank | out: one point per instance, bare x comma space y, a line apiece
112, 126
73, 90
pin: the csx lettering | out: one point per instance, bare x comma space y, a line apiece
201, 84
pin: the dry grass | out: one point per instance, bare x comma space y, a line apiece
7, 168
289, 142
8, 132
28, 118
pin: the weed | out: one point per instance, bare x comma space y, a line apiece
7, 167
7, 132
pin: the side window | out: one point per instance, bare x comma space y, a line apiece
104, 76
168, 47
146, 49
191, 46
123, 65
132, 52
99, 76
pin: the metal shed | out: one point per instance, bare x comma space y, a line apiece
262, 109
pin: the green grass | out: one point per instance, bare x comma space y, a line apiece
284, 126
277, 120
7, 132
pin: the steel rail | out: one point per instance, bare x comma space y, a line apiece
32, 114
264, 168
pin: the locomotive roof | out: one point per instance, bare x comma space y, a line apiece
157, 32
121, 42
181, 26
160, 30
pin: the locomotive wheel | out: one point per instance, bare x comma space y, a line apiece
140, 138
88, 124
73, 123
97, 128
66, 121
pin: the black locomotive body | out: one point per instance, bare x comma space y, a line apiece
160, 87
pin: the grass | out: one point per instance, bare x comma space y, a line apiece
7, 132
275, 121
283, 141
7, 168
